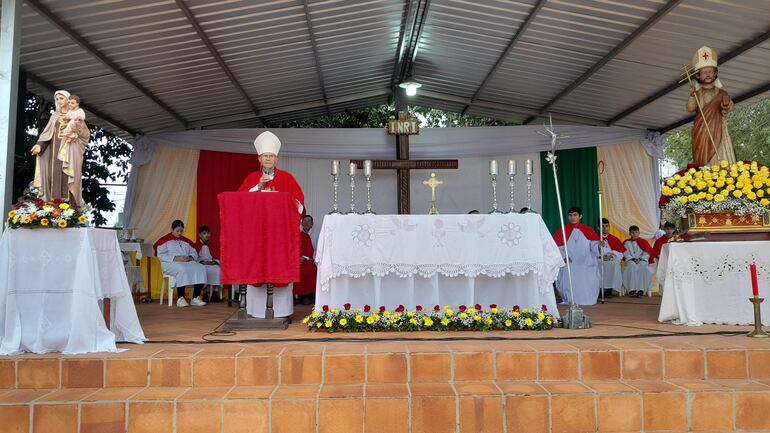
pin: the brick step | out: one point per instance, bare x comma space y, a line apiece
372, 363
434, 407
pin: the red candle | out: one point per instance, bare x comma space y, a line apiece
754, 286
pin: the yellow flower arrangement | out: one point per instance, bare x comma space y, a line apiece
723, 187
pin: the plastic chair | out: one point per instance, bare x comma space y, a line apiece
169, 283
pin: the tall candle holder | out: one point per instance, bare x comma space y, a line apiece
757, 332
352, 175
335, 185
368, 176
494, 195
529, 191
512, 185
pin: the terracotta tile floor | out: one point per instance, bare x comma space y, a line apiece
617, 318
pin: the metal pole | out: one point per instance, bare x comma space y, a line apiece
10, 32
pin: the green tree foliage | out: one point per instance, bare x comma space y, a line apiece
106, 158
377, 117
749, 129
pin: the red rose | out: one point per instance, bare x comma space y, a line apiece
436, 308
347, 306
477, 307
543, 307
39, 202
325, 308
462, 308
516, 308
367, 308
418, 308
492, 305
382, 308
400, 309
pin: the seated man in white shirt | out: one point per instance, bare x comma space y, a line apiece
637, 277
611, 253
207, 259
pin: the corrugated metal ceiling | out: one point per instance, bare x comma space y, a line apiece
146, 66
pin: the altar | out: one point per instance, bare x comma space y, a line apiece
52, 285
709, 282
427, 260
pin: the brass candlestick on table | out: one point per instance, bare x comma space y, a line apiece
757, 332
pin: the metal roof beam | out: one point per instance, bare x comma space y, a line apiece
740, 98
316, 56
510, 108
75, 36
668, 7
106, 117
676, 84
402, 36
290, 108
511, 45
215, 54
407, 49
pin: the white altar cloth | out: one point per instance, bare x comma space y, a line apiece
507, 259
51, 285
709, 282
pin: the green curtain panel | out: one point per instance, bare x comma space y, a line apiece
579, 184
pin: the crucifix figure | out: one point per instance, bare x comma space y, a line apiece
432, 183
402, 128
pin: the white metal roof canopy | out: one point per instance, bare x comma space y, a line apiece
169, 65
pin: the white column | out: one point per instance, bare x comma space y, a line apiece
10, 31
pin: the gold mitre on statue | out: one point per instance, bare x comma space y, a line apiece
703, 58
267, 142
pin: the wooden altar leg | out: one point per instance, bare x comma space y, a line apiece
106, 305
269, 313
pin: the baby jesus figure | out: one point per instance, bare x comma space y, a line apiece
74, 141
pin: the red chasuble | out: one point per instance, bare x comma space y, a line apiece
307, 269
171, 237
282, 181
588, 232
615, 243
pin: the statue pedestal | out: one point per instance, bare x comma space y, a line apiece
726, 226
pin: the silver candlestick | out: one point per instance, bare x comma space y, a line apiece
352, 174
368, 176
336, 184
529, 191
494, 195
512, 185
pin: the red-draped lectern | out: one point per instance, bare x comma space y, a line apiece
259, 245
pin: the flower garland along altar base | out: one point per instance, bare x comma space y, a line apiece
37, 213
719, 198
438, 318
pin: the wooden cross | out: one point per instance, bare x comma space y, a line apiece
403, 164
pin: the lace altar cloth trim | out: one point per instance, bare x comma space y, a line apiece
407, 270
717, 267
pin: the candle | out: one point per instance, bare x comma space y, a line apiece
754, 286
512, 167
529, 167
352, 169
335, 167
493, 167
368, 168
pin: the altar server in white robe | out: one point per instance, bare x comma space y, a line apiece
583, 247
179, 259
637, 277
611, 255
207, 259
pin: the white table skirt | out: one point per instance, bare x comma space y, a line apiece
709, 282
139, 248
426, 260
51, 284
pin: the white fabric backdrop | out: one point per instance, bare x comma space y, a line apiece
629, 188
